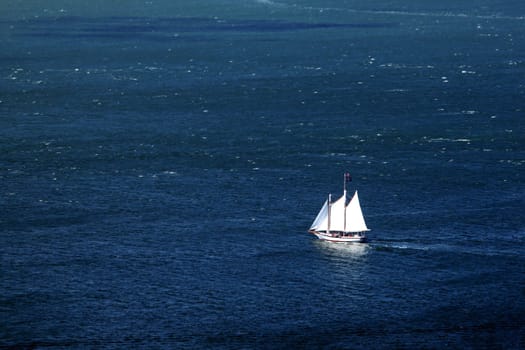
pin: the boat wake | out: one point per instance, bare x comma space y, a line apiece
392, 246
406, 246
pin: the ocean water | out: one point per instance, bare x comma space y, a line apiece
161, 162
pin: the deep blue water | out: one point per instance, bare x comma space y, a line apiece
162, 161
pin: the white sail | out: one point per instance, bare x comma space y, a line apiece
337, 214
355, 222
321, 219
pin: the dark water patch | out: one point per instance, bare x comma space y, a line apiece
117, 27
363, 336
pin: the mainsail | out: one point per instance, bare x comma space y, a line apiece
343, 218
355, 222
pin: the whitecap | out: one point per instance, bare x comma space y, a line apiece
397, 90
441, 139
268, 2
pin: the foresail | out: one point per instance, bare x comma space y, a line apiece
355, 222
321, 219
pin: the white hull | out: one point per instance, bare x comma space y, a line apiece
340, 238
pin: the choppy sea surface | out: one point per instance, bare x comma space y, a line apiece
161, 162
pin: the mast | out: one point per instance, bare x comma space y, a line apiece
329, 211
344, 194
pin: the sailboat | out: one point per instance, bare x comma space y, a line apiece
340, 222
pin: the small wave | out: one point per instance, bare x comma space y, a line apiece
269, 2
405, 66
439, 14
392, 12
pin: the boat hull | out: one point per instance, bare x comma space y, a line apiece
339, 237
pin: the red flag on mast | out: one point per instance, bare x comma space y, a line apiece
348, 177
